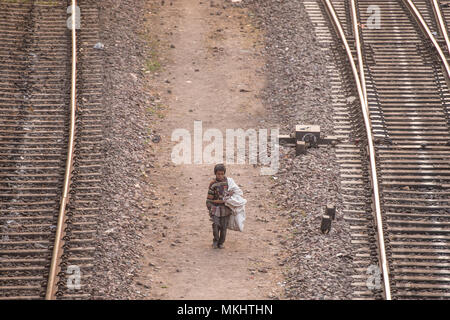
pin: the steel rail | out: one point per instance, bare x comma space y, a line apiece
373, 170
441, 24
422, 23
60, 229
362, 77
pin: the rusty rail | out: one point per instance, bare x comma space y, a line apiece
60, 229
441, 24
426, 30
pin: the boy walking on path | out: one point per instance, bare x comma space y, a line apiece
218, 212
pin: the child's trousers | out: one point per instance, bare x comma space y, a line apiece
219, 227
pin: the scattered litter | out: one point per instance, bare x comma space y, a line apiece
156, 139
99, 46
351, 99
109, 231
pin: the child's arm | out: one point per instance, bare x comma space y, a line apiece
210, 197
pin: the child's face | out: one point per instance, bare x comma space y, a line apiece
220, 175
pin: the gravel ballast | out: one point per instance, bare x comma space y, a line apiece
125, 133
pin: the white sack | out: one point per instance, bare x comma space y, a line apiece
237, 205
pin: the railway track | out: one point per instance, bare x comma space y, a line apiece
50, 148
401, 107
407, 94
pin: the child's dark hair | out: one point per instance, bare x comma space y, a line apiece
219, 167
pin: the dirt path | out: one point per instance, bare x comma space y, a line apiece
211, 57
